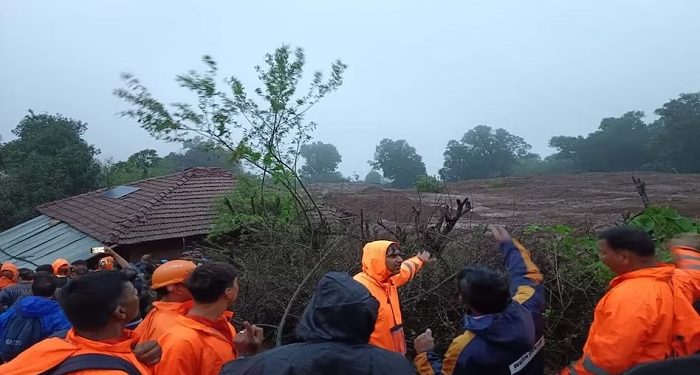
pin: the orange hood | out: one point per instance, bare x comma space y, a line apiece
57, 264
7, 266
374, 260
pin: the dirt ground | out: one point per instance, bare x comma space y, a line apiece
595, 200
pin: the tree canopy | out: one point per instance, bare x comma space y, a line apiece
399, 162
321, 162
482, 153
48, 161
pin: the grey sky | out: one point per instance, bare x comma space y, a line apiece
425, 71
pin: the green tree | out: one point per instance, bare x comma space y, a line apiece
321, 162
679, 131
399, 162
482, 153
620, 144
373, 177
48, 161
265, 129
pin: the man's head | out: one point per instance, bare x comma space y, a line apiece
61, 267
80, 266
44, 284
106, 263
483, 290
45, 268
147, 258
213, 282
394, 258
99, 299
168, 280
625, 249
25, 274
9, 271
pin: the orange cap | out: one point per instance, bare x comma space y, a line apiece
57, 264
106, 262
173, 272
7, 266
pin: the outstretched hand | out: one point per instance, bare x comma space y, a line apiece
424, 342
499, 233
425, 257
249, 340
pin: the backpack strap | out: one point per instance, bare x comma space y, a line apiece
93, 362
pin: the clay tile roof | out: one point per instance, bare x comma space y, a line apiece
173, 206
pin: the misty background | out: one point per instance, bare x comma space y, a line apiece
424, 72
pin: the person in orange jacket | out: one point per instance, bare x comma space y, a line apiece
383, 271
9, 273
61, 268
202, 341
98, 305
174, 300
646, 306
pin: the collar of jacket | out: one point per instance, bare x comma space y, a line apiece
661, 272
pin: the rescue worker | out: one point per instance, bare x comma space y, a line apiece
503, 327
383, 271
10, 294
334, 333
202, 341
647, 313
97, 305
174, 300
8, 274
61, 268
106, 263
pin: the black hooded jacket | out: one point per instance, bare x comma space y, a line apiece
334, 334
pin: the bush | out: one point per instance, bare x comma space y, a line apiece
430, 184
373, 177
251, 207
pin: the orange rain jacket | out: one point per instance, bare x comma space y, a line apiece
161, 318
388, 333
191, 347
50, 352
646, 315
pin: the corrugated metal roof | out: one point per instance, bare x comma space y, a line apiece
42, 240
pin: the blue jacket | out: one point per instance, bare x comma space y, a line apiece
508, 342
47, 310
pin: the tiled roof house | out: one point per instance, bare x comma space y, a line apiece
160, 216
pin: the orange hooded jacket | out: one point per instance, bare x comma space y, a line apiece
4, 281
388, 331
161, 318
50, 352
645, 316
191, 347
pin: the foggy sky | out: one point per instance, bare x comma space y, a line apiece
425, 71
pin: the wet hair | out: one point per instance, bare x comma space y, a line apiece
208, 282
626, 238
44, 284
79, 262
90, 300
26, 274
483, 289
45, 268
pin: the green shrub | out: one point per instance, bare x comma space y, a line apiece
430, 184
252, 207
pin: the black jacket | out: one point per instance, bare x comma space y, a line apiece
335, 332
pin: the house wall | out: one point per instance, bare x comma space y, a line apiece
164, 249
